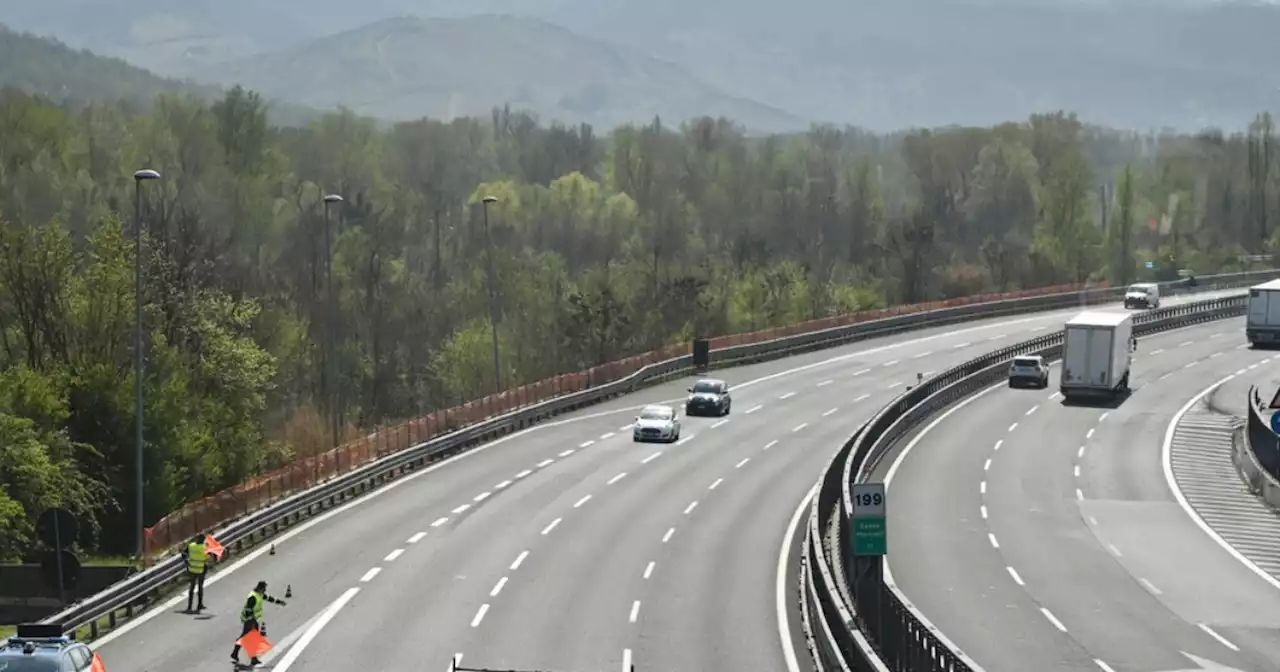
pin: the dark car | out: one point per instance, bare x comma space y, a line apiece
708, 397
42, 648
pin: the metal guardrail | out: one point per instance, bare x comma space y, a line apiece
855, 621
143, 588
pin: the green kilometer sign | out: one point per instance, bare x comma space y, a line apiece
869, 536
870, 530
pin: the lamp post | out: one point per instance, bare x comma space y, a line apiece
331, 391
493, 310
138, 178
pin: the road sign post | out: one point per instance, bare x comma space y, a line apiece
868, 520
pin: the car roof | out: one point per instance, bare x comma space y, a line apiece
1035, 357
656, 407
711, 381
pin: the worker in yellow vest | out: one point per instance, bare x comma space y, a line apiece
251, 618
197, 557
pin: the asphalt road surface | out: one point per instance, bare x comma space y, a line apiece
568, 547
1043, 536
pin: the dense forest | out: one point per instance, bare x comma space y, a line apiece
598, 246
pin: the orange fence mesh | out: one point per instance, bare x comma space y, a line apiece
217, 509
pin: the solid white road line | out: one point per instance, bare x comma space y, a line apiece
368, 576
519, 559
648, 571
1053, 619
417, 537
547, 530
498, 587
484, 609
780, 586
391, 557
311, 633
1223, 640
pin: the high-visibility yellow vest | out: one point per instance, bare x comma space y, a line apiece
196, 557
253, 610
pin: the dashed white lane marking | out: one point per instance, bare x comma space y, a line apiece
829, 412
862, 398
519, 559
1103, 416
1033, 409
1013, 426
720, 423
747, 459
1223, 640
607, 435
799, 426
544, 463
1014, 573
1165, 376
982, 487
859, 372
992, 538
897, 384
998, 337
502, 485
1055, 396
482, 496
1242, 346
624, 428
1077, 470
368, 576
457, 660
957, 346
635, 611
498, 587
484, 609
567, 453
1185, 344
771, 444
890, 363
1190, 364
998, 444
1114, 550
391, 557
685, 440
1093, 521
587, 443
648, 571
987, 466
417, 537
524, 473
1079, 494
788, 395
984, 511
626, 660
651, 458
1216, 354
1240, 372
617, 478
547, 530
1157, 351
1217, 335
462, 508
1053, 619
667, 537
716, 484
923, 354
582, 501
691, 507
1103, 666
1089, 434
1038, 328
755, 408
439, 521
1080, 453
1149, 586
825, 383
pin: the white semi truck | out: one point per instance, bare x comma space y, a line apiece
1262, 327
1097, 354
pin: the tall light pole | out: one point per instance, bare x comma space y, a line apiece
493, 309
331, 391
138, 178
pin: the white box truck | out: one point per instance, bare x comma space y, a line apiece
1262, 326
1097, 351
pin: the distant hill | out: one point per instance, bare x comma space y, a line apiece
51, 69
405, 67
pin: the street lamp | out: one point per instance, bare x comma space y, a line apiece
493, 311
138, 178
330, 393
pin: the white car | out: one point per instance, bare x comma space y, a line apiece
1029, 370
657, 423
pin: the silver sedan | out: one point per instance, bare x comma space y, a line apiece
657, 423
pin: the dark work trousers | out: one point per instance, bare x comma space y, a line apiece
249, 626
195, 586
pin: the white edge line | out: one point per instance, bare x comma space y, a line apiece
888, 479
314, 630
1166, 458
780, 590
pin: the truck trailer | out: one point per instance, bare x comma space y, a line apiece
1097, 353
1262, 326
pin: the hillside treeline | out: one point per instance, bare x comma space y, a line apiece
598, 245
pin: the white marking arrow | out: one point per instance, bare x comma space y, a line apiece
1203, 664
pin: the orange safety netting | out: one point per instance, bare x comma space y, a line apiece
231, 503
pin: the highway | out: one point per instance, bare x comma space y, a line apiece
568, 547
1037, 535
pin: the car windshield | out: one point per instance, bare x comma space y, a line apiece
704, 387
655, 414
1025, 361
1137, 289
28, 664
